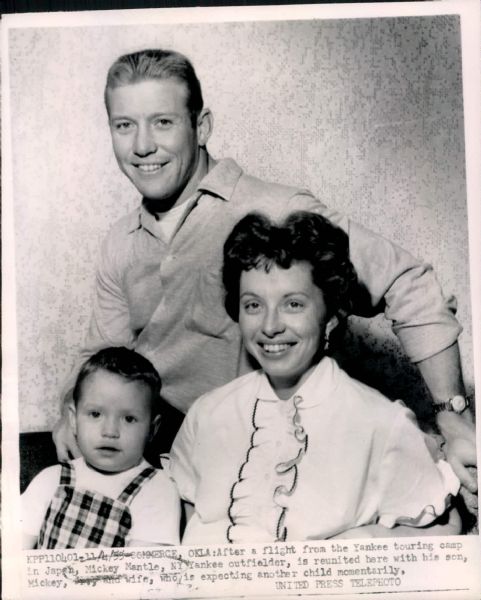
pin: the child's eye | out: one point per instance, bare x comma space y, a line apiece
95, 414
130, 419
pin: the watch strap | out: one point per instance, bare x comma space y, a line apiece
456, 404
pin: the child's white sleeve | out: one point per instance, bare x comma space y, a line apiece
156, 511
414, 489
36, 499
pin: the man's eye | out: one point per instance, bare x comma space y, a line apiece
130, 419
122, 126
163, 123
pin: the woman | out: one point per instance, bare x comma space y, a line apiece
297, 449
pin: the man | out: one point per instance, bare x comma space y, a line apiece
158, 286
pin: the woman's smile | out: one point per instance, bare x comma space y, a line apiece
282, 317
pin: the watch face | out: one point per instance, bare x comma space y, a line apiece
458, 403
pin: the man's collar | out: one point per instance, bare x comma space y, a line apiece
221, 178
220, 181
134, 220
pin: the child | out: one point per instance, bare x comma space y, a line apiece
110, 496
299, 450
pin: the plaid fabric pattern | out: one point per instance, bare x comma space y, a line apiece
86, 519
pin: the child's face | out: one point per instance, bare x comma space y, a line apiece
282, 317
112, 421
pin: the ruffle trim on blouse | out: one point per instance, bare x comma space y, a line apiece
268, 476
417, 514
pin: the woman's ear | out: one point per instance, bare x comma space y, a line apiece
330, 326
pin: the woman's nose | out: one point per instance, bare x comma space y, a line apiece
144, 143
273, 323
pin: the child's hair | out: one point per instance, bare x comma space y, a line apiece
124, 362
256, 242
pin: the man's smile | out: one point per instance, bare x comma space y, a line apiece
150, 168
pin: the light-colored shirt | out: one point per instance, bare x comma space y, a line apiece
335, 456
165, 299
155, 510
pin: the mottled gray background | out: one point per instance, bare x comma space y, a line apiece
367, 113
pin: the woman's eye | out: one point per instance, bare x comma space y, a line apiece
252, 307
295, 305
130, 419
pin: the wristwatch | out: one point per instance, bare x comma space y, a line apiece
455, 404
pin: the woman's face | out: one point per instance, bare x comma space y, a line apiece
282, 317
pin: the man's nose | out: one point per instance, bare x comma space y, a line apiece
273, 323
110, 427
144, 143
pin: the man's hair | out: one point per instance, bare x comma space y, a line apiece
256, 243
157, 64
127, 364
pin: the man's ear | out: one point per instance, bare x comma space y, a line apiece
205, 125
72, 413
154, 426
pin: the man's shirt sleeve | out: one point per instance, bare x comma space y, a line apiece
110, 322
110, 319
398, 283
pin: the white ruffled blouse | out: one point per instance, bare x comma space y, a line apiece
278, 445
334, 456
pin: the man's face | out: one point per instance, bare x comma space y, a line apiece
154, 141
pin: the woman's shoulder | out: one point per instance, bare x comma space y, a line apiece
368, 399
229, 392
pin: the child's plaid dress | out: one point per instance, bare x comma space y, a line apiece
79, 518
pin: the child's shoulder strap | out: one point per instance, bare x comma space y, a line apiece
67, 474
134, 487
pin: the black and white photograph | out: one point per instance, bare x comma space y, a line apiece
240, 335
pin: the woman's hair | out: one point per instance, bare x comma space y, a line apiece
258, 243
152, 64
127, 364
